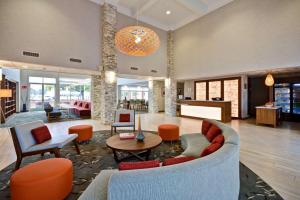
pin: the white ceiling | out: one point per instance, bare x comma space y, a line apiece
153, 12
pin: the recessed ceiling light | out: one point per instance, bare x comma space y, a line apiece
168, 12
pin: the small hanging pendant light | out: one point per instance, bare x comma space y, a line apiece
269, 80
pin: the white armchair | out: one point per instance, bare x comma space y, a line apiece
117, 122
25, 144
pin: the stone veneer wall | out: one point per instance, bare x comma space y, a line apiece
96, 93
170, 83
154, 96
108, 91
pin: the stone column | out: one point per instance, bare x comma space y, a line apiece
170, 82
108, 93
96, 96
153, 96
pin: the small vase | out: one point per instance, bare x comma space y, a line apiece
140, 137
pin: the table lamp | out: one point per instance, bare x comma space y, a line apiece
5, 93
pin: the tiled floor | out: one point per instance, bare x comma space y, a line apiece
272, 153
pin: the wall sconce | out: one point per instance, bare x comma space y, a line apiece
110, 77
150, 84
167, 82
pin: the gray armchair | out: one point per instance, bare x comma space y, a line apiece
25, 144
117, 122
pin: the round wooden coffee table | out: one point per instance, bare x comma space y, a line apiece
132, 147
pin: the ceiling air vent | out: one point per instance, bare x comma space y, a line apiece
32, 54
134, 68
153, 71
75, 60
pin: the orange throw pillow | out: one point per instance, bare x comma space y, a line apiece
213, 132
205, 127
41, 134
124, 118
210, 149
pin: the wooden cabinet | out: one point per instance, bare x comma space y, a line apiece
268, 115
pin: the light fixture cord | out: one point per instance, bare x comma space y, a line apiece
137, 15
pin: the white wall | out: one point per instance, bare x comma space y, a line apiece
246, 35
156, 61
57, 29
64, 29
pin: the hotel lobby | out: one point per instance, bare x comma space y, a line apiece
150, 99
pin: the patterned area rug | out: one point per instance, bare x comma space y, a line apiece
95, 157
26, 117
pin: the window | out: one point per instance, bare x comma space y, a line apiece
42, 90
42, 80
134, 93
74, 89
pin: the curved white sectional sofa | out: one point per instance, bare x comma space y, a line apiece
213, 177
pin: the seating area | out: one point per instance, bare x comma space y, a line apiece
34, 138
148, 99
51, 113
82, 108
188, 180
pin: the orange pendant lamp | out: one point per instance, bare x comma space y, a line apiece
137, 41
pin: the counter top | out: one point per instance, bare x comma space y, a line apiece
266, 107
182, 100
219, 110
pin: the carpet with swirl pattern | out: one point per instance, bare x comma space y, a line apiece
95, 156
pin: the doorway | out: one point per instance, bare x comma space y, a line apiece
41, 90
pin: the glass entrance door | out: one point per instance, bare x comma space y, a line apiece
49, 94
42, 90
36, 96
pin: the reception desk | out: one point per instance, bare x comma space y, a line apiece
218, 110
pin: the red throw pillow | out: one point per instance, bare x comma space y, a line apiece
219, 139
80, 104
173, 161
213, 132
75, 103
138, 165
41, 134
87, 106
124, 118
210, 149
205, 127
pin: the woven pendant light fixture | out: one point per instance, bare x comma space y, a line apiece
269, 81
137, 40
